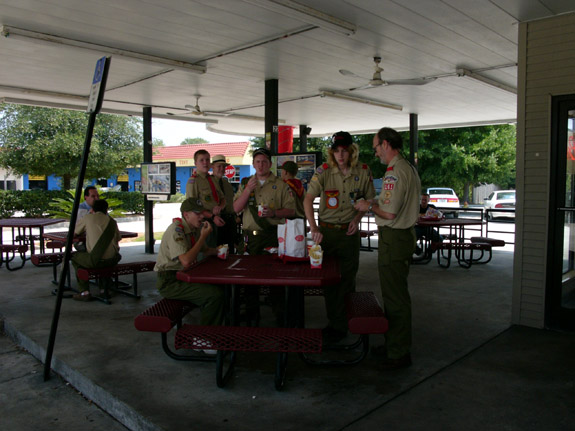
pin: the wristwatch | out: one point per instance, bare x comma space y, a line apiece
370, 207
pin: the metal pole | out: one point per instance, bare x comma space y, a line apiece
303, 132
148, 205
68, 251
94, 106
413, 139
272, 114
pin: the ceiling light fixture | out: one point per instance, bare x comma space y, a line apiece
469, 74
361, 100
307, 14
15, 32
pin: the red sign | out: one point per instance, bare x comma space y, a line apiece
230, 171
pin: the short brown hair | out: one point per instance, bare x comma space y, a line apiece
200, 153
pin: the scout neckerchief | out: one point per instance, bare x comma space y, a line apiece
296, 185
213, 187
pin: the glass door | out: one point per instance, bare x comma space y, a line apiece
561, 264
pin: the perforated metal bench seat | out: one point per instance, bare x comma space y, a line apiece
162, 317
116, 270
485, 240
364, 314
47, 258
133, 268
228, 340
8, 253
364, 317
460, 249
50, 259
249, 339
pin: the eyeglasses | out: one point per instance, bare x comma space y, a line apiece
375, 148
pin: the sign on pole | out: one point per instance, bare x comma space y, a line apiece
98, 85
230, 171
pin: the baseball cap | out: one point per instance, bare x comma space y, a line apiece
263, 151
219, 158
192, 205
342, 139
290, 167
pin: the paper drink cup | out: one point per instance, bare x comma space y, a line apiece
223, 251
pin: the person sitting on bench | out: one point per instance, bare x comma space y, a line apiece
102, 245
181, 244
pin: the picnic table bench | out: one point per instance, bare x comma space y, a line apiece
476, 244
8, 254
231, 339
51, 259
101, 275
162, 317
364, 317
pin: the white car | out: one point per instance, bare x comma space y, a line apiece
500, 199
443, 197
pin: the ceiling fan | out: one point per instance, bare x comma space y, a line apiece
196, 110
376, 80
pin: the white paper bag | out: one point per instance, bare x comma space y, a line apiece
291, 238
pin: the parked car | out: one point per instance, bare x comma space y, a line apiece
444, 197
499, 199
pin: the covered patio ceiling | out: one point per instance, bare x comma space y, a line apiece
451, 62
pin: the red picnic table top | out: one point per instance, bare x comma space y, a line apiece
265, 269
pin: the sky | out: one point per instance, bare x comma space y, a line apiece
173, 132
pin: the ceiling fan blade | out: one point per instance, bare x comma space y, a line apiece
216, 114
350, 73
414, 81
364, 87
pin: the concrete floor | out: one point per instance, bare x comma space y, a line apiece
472, 369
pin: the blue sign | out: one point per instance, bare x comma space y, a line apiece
97, 90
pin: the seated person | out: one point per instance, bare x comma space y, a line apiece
181, 244
90, 196
423, 231
102, 244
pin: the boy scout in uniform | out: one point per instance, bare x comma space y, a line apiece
275, 197
396, 213
184, 239
266, 189
226, 234
102, 244
339, 183
288, 174
202, 186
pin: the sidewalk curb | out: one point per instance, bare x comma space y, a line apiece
119, 410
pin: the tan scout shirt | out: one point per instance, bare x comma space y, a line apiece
274, 193
176, 241
228, 191
198, 187
93, 226
400, 194
338, 191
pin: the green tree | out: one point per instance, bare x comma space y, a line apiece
43, 141
464, 157
157, 142
190, 141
